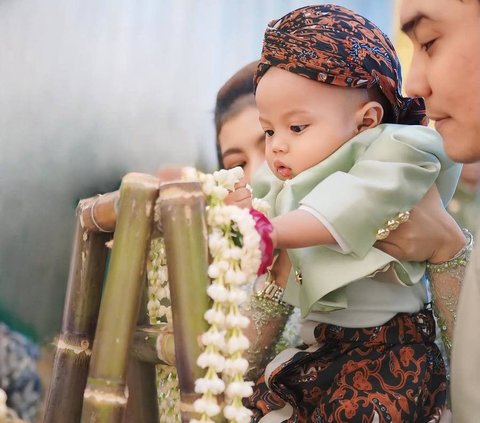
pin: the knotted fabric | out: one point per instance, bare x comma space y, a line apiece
334, 45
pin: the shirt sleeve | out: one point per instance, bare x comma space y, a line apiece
341, 246
391, 176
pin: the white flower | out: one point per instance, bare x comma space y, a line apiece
234, 246
153, 306
237, 343
223, 265
237, 413
189, 174
214, 385
235, 366
217, 292
237, 297
235, 319
233, 253
213, 271
239, 389
261, 205
207, 406
215, 317
237, 173
220, 192
163, 273
213, 337
228, 178
217, 242
211, 359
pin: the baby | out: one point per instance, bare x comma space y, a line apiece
348, 157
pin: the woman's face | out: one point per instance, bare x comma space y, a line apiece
242, 141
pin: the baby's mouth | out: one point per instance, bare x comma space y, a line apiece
284, 171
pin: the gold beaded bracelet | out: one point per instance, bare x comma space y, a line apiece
270, 296
460, 259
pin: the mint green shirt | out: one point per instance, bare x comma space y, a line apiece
366, 182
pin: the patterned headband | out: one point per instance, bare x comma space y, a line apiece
334, 45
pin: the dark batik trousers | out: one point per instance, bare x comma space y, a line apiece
388, 373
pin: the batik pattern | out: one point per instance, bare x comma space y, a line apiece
334, 45
389, 373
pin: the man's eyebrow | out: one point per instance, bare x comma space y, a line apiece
408, 26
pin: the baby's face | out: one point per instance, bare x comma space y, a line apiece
304, 121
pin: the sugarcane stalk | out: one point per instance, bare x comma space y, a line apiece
82, 302
183, 221
105, 396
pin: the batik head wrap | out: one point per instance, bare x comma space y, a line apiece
335, 45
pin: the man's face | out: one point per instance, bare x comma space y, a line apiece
445, 69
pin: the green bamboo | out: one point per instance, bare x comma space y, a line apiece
142, 405
105, 396
183, 221
70, 369
147, 339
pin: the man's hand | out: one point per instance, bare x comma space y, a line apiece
430, 233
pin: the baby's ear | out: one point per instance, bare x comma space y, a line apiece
369, 115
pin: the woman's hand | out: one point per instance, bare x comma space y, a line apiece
430, 233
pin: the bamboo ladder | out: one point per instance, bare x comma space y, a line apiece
89, 384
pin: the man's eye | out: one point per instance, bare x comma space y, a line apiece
297, 128
269, 133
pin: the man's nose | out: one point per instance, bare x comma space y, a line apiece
417, 83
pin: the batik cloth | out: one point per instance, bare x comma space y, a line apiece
388, 373
334, 45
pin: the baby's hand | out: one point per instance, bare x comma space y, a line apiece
241, 197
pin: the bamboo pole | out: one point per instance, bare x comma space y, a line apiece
142, 405
154, 344
82, 303
183, 221
105, 396
100, 214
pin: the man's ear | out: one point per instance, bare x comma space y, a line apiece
369, 115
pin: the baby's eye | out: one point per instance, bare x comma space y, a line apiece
268, 133
298, 128
428, 45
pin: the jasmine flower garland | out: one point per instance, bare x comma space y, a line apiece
234, 246
160, 311
237, 252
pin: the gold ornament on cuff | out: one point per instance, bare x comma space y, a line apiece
392, 224
270, 290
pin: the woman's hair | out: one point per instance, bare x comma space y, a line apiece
233, 97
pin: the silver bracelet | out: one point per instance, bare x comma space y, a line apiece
460, 259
